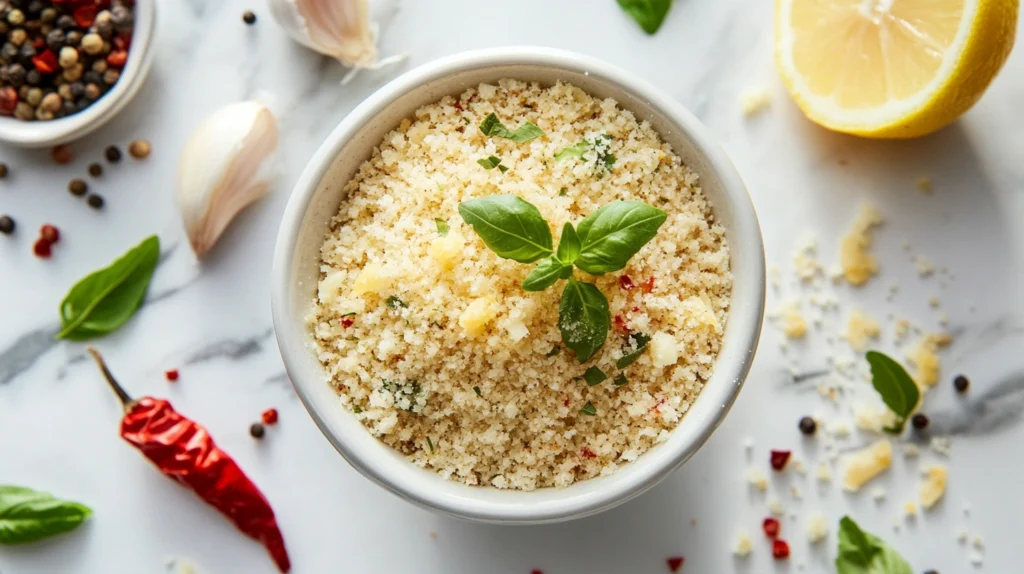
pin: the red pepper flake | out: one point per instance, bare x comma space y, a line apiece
655, 408
648, 286
85, 15
50, 233
635, 309
771, 527
171, 375
780, 458
122, 42
347, 322
588, 453
780, 550
269, 417
42, 248
458, 106
46, 62
566, 403
675, 563
620, 325
39, 43
8, 100
536, 571
626, 283
117, 58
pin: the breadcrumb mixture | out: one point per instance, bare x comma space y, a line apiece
428, 336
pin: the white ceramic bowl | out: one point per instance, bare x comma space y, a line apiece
318, 194
140, 56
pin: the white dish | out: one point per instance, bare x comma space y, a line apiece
316, 199
140, 57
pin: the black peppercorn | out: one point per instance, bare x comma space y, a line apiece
66, 22
33, 77
95, 169
6, 225
920, 421
77, 187
121, 18
257, 430
9, 52
68, 107
248, 17
77, 89
808, 426
3, 170
55, 40
105, 29
931, 572
92, 77
113, 154
95, 201
18, 74
961, 384
28, 51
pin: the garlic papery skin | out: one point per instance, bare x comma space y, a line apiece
225, 166
337, 28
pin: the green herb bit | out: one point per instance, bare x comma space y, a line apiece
357, 410
490, 162
442, 227
588, 409
554, 351
349, 314
899, 392
563, 192
478, 392
637, 343
650, 14
492, 127
620, 380
594, 376
395, 303
600, 147
502, 168
863, 553
28, 515
572, 151
430, 444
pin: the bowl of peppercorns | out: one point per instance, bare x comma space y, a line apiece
68, 66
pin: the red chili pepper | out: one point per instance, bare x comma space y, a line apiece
117, 58
620, 324
46, 62
675, 563
50, 233
780, 550
626, 283
85, 15
185, 452
122, 41
42, 248
171, 375
38, 43
771, 527
779, 458
588, 453
347, 322
269, 417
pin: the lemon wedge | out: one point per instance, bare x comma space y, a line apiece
891, 68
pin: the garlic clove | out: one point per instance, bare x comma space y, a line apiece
337, 28
224, 167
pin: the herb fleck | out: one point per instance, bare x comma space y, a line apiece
620, 380
430, 443
594, 376
492, 127
490, 162
588, 409
395, 303
478, 392
563, 192
442, 227
554, 351
357, 410
635, 346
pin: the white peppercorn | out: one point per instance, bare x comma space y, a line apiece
17, 17
68, 57
92, 44
35, 95
24, 112
17, 36
51, 102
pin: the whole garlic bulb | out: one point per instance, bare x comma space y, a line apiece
225, 166
337, 28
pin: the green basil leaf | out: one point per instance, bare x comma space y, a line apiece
648, 13
566, 273
899, 392
492, 127
863, 553
613, 234
620, 380
395, 303
594, 376
105, 299
638, 344
544, 275
27, 515
509, 226
573, 151
554, 351
478, 392
490, 162
569, 245
502, 168
442, 227
588, 409
583, 318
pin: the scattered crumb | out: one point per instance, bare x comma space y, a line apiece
978, 543
433, 534
817, 528
910, 450
757, 478
860, 329
925, 268
798, 466
934, 486
910, 510
864, 465
776, 508
805, 261
878, 493
855, 256
941, 445
839, 429
925, 358
794, 326
976, 558
180, 566
743, 545
824, 473
924, 184
962, 536
754, 100
795, 493
748, 444
902, 329
828, 392
934, 302
872, 419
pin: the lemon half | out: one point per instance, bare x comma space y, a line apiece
891, 68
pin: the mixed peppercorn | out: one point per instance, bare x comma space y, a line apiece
60, 56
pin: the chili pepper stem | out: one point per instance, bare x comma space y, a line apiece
126, 399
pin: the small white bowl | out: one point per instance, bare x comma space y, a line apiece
316, 199
140, 57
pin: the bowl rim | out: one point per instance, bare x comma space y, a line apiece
294, 343
37, 134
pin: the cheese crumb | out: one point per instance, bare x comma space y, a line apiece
925, 268
824, 473
776, 508
873, 419
757, 478
744, 546
855, 256
910, 510
976, 558
978, 542
910, 450
878, 493
934, 486
475, 317
817, 528
794, 326
925, 359
860, 329
446, 250
962, 536
372, 279
941, 445
755, 99
865, 464
664, 350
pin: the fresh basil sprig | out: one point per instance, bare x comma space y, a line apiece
899, 392
105, 299
648, 13
862, 553
492, 127
603, 242
28, 515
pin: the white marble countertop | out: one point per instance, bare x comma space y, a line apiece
212, 321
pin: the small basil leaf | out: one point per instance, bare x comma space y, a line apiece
544, 275
27, 515
594, 376
575, 151
648, 13
395, 303
490, 162
583, 318
613, 234
569, 245
899, 392
554, 351
863, 553
478, 392
588, 409
492, 127
638, 344
509, 226
105, 299
442, 227
620, 380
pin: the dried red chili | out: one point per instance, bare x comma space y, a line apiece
780, 550
771, 527
620, 325
626, 283
85, 15
269, 417
675, 563
46, 62
779, 458
171, 375
185, 452
347, 322
588, 453
117, 58
42, 248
